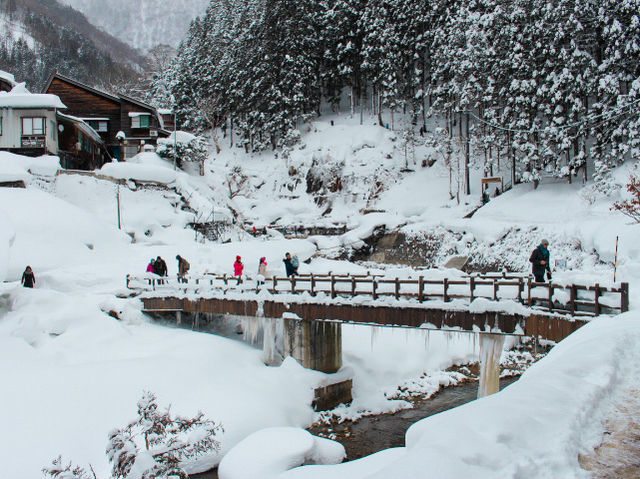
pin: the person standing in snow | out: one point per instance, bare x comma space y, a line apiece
238, 267
151, 266
28, 278
183, 269
540, 261
289, 266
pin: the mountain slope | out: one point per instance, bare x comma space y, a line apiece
41, 36
142, 23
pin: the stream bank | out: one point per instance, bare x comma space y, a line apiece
371, 434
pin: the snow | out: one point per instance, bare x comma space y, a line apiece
140, 169
268, 452
8, 77
18, 97
60, 347
182, 137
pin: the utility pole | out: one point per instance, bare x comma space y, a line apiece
118, 203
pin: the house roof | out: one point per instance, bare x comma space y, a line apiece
29, 100
84, 127
101, 93
8, 77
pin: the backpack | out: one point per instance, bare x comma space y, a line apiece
294, 262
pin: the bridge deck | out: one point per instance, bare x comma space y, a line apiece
545, 327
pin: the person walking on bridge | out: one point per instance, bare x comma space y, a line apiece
540, 261
289, 266
183, 269
238, 267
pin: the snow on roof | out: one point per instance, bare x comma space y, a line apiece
94, 119
165, 111
19, 97
182, 137
8, 77
133, 114
86, 129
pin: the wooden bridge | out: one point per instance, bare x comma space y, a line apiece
313, 307
557, 298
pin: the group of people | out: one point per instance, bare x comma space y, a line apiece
291, 265
159, 266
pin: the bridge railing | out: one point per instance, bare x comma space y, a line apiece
573, 299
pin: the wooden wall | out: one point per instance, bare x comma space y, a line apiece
86, 104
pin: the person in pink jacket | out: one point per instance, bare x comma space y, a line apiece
238, 267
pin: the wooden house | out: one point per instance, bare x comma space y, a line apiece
80, 146
28, 123
125, 124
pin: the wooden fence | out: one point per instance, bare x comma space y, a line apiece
573, 299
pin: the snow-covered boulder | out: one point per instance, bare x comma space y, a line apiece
269, 452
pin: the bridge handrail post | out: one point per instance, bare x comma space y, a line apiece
472, 287
420, 289
550, 296
374, 287
445, 289
520, 290
624, 297
275, 283
313, 286
496, 286
597, 293
293, 284
573, 293
333, 286
397, 288
224, 278
353, 286
529, 297
128, 276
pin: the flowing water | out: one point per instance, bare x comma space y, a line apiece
375, 433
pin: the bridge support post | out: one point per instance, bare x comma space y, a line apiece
314, 344
490, 352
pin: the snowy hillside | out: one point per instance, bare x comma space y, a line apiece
142, 24
82, 343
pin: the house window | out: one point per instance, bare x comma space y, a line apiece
101, 126
141, 121
33, 126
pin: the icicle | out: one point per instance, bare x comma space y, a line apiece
490, 352
251, 327
374, 334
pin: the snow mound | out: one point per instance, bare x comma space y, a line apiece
140, 171
20, 168
271, 451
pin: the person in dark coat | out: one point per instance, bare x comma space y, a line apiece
540, 261
28, 278
288, 265
160, 268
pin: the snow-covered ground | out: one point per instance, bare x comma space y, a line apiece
71, 372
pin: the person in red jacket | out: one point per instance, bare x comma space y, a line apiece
238, 267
